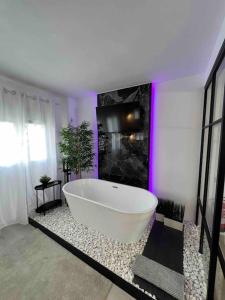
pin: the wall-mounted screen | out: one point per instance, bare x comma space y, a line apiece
124, 117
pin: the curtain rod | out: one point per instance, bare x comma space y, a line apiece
13, 92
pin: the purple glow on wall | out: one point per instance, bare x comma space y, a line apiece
93, 97
152, 137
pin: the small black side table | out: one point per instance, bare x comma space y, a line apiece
50, 204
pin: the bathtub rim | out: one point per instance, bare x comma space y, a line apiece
109, 207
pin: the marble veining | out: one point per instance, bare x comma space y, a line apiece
124, 156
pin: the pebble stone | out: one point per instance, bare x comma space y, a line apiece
119, 257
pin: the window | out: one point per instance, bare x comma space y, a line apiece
14, 148
36, 138
9, 152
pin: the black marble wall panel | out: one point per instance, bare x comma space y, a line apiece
124, 156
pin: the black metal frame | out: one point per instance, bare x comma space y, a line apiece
208, 155
213, 239
217, 209
50, 204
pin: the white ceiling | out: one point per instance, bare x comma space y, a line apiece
71, 46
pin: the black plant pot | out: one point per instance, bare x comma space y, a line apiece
45, 183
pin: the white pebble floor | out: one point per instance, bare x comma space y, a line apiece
195, 283
119, 257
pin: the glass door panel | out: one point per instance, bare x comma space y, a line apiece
199, 219
222, 228
215, 143
208, 102
219, 92
219, 290
206, 256
206, 132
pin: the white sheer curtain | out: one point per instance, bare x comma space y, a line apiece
27, 151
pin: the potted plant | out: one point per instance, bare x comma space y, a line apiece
76, 147
174, 215
159, 211
45, 180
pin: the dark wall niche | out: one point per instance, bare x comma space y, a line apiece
123, 154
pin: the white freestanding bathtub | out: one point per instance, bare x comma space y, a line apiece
119, 211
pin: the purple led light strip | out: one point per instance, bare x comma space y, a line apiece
152, 136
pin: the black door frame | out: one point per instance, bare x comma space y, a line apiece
213, 239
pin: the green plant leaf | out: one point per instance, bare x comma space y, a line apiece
76, 147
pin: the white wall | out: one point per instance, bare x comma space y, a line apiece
72, 110
83, 108
216, 49
178, 115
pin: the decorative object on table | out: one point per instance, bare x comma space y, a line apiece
45, 180
174, 215
159, 211
50, 204
76, 148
